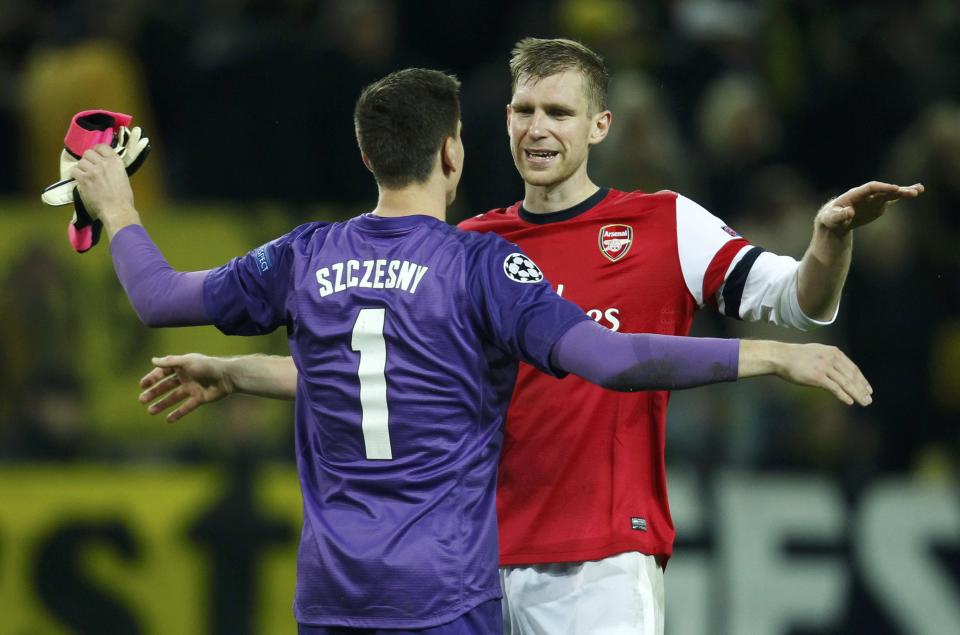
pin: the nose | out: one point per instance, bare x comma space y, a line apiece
538, 122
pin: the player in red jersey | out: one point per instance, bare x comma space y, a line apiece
585, 525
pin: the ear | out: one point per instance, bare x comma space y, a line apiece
600, 126
509, 115
449, 156
366, 161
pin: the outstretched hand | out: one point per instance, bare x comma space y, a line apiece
826, 367
185, 381
862, 205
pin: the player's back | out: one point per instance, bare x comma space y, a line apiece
400, 408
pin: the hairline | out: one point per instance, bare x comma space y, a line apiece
593, 107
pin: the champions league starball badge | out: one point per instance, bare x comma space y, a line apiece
615, 241
520, 268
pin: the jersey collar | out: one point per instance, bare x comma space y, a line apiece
564, 214
396, 224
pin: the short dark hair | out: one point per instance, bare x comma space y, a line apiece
534, 58
402, 120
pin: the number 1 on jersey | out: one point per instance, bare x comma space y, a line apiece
368, 341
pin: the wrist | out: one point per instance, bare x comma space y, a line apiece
231, 375
830, 232
119, 217
761, 357
778, 353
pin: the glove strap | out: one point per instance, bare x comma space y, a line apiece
90, 127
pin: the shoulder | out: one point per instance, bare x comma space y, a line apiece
302, 234
636, 196
620, 203
494, 220
483, 240
689, 207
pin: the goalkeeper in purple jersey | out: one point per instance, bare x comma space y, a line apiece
406, 333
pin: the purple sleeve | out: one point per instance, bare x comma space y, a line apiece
160, 295
519, 311
643, 361
249, 294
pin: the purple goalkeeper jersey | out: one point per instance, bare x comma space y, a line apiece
406, 334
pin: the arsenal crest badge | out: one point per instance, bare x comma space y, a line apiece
615, 241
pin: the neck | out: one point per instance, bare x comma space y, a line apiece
422, 198
543, 199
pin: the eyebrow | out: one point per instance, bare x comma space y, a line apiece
547, 106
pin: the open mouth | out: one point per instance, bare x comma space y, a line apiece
540, 156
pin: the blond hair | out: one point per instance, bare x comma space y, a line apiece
535, 58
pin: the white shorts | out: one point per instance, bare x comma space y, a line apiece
615, 596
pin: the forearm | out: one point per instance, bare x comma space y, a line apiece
823, 272
262, 375
160, 295
629, 362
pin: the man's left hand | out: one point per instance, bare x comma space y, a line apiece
862, 205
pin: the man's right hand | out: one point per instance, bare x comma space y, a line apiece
185, 381
814, 365
105, 188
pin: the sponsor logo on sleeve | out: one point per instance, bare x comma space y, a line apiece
520, 268
730, 231
615, 241
262, 256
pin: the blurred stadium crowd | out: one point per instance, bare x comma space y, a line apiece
758, 111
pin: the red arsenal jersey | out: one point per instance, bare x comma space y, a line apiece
582, 473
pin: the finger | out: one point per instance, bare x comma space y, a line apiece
81, 168
892, 193
91, 156
854, 374
838, 392
911, 191
183, 410
873, 187
893, 197
839, 216
851, 379
103, 150
855, 385
171, 398
154, 376
879, 187
849, 388
162, 387
168, 361
864, 192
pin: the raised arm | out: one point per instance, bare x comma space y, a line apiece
628, 362
191, 380
824, 267
160, 295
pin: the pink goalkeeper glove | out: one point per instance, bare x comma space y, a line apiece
87, 129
